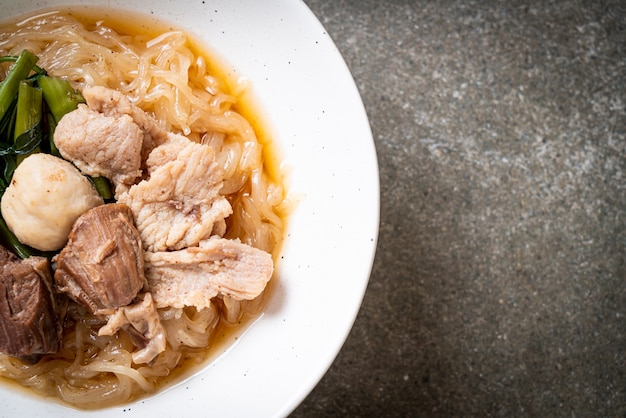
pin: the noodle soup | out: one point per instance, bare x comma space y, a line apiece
162, 72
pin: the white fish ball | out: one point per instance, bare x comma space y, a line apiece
46, 195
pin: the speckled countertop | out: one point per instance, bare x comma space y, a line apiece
499, 284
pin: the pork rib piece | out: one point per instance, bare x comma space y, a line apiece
29, 322
193, 276
102, 264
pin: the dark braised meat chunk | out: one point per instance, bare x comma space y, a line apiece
101, 266
29, 322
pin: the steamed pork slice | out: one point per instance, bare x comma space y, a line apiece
102, 264
29, 322
142, 322
193, 276
100, 145
113, 103
180, 203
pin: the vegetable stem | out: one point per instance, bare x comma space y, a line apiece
103, 187
12, 58
18, 72
28, 120
52, 125
60, 96
29, 110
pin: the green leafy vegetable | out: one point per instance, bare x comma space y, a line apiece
10, 240
31, 105
28, 132
60, 96
103, 187
22, 68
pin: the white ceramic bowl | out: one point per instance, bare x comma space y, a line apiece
314, 111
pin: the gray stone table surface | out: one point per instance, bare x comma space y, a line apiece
499, 282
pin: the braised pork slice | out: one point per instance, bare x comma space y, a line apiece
29, 322
99, 145
113, 103
179, 204
102, 264
193, 276
142, 322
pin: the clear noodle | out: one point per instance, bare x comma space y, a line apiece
166, 77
